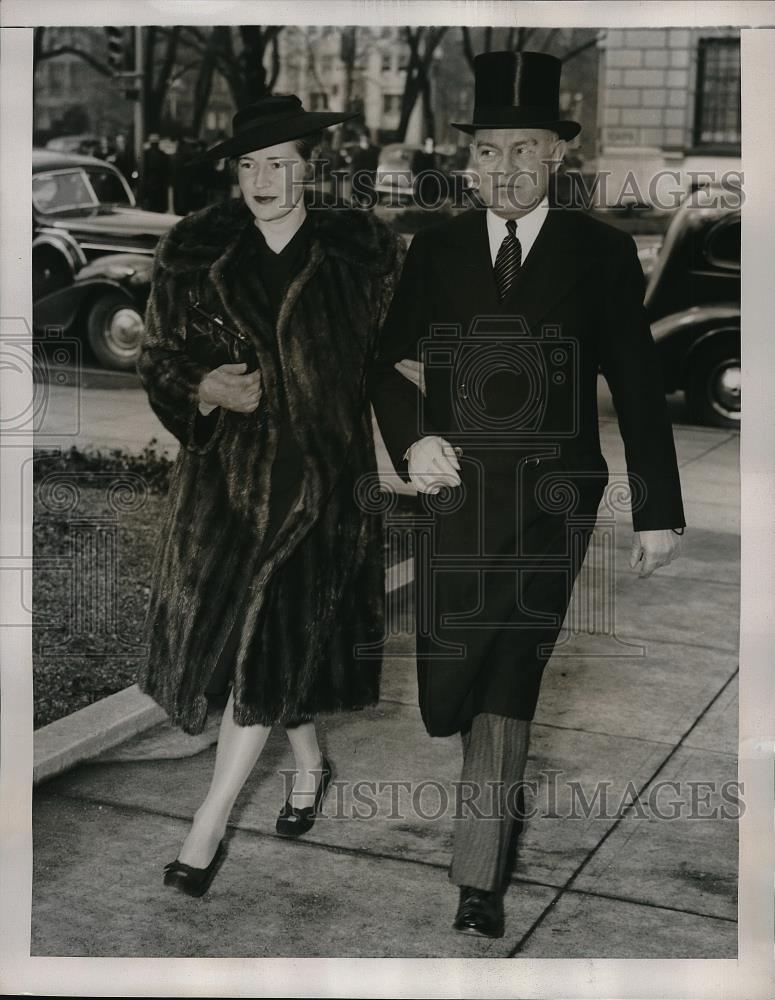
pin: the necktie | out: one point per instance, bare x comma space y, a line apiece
509, 259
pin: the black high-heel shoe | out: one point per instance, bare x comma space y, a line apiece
193, 881
294, 822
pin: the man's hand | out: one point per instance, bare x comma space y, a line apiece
653, 549
228, 386
432, 464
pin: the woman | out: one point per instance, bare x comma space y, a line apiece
270, 574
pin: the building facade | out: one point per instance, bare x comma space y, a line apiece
669, 101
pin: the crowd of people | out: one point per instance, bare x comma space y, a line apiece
166, 181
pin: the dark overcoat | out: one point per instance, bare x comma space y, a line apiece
513, 385
304, 602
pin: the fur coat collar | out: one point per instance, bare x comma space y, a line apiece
202, 240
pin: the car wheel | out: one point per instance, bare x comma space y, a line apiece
115, 328
713, 386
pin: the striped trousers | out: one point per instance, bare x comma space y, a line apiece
495, 752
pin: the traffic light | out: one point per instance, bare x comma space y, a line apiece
116, 49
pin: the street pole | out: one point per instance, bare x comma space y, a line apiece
140, 102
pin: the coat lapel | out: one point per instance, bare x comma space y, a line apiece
468, 264
556, 261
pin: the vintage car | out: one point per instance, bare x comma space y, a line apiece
92, 251
693, 302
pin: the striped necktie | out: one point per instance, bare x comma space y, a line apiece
509, 259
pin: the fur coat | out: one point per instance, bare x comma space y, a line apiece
305, 603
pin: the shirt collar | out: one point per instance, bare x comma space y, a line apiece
527, 226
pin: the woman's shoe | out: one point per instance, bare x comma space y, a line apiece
294, 822
193, 881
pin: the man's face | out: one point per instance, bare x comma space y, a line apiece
514, 166
271, 180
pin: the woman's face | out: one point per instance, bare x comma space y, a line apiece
272, 180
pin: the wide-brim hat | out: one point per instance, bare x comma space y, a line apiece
269, 121
518, 90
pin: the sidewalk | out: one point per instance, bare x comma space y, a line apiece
613, 887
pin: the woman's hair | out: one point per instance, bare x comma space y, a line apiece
305, 147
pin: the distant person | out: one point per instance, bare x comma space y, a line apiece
363, 170
123, 159
181, 176
426, 177
201, 178
155, 177
103, 150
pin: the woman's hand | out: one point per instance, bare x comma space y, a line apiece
228, 386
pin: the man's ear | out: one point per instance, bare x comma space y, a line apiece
559, 149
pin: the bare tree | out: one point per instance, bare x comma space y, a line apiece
237, 54
422, 43
516, 40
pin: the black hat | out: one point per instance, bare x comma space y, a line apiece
518, 90
269, 121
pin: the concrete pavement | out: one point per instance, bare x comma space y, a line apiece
646, 712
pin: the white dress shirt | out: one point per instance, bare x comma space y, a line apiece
528, 227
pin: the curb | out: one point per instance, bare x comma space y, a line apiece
112, 720
91, 730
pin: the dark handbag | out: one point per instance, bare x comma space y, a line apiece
210, 342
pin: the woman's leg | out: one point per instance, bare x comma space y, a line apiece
309, 762
238, 750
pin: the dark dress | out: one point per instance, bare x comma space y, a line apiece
275, 271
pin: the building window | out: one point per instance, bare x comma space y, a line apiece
403, 60
387, 62
717, 110
391, 104
326, 64
318, 100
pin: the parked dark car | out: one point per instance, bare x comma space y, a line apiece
92, 250
693, 302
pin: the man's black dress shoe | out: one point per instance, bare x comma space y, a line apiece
480, 911
294, 822
193, 881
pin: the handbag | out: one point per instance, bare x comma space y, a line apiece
211, 342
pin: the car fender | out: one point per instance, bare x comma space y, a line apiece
126, 269
680, 335
60, 308
63, 243
695, 318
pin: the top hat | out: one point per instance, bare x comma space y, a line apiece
518, 90
269, 121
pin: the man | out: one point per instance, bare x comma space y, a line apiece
155, 177
425, 175
512, 310
363, 170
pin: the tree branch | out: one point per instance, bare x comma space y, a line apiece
275, 71
579, 49
468, 49
71, 50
